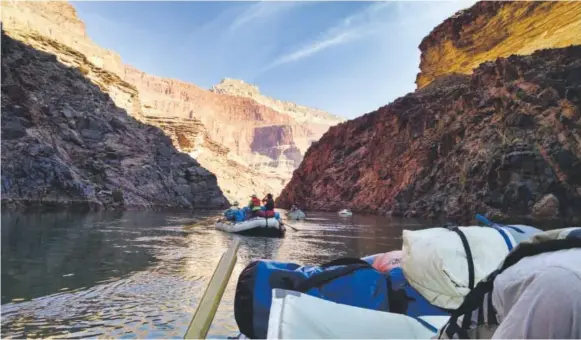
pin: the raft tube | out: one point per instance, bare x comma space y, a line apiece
258, 226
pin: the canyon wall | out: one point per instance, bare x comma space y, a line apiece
505, 141
492, 29
66, 144
491, 128
251, 142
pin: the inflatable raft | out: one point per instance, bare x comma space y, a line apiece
258, 226
381, 284
296, 215
345, 212
295, 315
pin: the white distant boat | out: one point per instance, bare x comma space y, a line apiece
296, 215
345, 212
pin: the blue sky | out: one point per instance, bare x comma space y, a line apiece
348, 58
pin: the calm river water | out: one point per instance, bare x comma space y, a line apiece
140, 274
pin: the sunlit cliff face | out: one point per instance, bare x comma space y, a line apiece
489, 30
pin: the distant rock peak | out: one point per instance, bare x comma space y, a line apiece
236, 87
240, 88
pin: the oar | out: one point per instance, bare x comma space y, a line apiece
290, 226
489, 223
484, 220
208, 306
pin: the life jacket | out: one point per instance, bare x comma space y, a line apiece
347, 281
266, 213
255, 204
476, 316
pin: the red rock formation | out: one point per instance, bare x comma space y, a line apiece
492, 29
495, 142
230, 117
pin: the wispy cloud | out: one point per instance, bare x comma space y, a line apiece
351, 28
313, 48
262, 11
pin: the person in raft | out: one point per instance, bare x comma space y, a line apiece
268, 205
254, 205
295, 207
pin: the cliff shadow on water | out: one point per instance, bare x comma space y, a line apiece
66, 144
40, 252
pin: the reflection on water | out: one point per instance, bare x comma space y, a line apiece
140, 274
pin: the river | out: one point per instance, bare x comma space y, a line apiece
140, 274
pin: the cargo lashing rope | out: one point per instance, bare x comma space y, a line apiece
469, 257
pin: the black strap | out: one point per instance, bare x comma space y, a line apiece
491, 311
531, 249
483, 290
324, 277
468, 255
467, 321
480, 319
398, 299
344, 261
453, 329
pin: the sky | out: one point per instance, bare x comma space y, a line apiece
347, 58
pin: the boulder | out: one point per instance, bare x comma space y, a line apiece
546, 208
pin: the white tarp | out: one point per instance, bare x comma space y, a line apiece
434, 261
294, 315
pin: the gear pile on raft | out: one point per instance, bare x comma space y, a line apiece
446, 282
255, 219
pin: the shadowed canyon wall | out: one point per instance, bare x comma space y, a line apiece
66, 144
234, 133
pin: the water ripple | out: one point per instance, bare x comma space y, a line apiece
140, 275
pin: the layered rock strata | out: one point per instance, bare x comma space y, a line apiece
66, 144
492, 29
231, 120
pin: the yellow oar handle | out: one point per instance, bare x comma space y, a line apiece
207, 307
